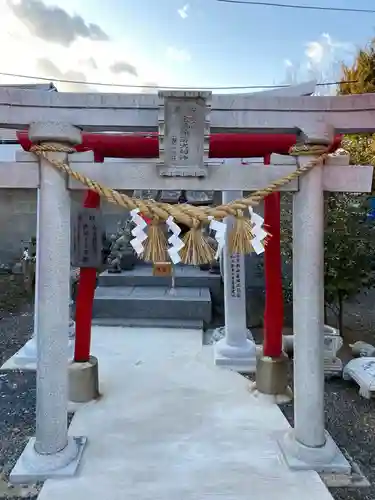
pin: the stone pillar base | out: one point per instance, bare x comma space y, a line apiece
84, 381
322, 459
241, 358
33, 467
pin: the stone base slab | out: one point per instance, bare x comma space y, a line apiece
324, 459
25, 358
33, 467
240, 365
239, 358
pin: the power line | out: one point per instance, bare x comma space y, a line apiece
154, 87
298, 6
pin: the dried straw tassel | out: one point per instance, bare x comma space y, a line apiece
240, 236
156, 243
197, 250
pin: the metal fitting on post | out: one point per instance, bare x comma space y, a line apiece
84, 381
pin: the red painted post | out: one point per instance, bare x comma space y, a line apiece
85, 298
274, 308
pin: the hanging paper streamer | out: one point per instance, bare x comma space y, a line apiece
176, 243
259, 234
138, 232
220, 230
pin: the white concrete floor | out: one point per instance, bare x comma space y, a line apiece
171, 426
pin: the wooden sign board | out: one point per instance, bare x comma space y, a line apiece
87, 238
162, 269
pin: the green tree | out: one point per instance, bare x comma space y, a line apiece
349, 250
361, 78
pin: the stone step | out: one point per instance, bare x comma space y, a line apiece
190, 324
139, 302
185, 276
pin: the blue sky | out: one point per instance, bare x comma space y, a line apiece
206, 43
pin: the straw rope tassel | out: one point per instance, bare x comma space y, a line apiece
155, 247
196, 250
241, 235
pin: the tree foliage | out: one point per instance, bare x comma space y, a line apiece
361, 78
349, 250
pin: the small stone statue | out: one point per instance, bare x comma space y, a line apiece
121, 255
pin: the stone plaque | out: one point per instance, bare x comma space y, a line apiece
183, 135
162, 269
87, 238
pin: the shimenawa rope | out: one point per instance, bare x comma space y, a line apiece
196, 249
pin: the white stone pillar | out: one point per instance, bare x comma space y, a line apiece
237, 349
308, 446
308, 308
51, 453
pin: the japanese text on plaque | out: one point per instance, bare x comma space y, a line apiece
235, 276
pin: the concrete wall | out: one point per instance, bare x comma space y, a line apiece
18, 219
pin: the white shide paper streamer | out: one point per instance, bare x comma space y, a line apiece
138, 232
258, 232
220, 230
176, 243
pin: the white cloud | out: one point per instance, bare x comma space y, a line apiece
322, 60
179, 55
83, 58
183, 12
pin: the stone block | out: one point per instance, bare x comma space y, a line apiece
153, 302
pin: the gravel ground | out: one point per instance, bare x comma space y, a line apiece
17, 389
350, 419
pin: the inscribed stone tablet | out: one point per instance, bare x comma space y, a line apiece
183, 131
86, 238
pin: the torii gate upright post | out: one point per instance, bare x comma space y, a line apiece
308, 445
272, 368
52, 453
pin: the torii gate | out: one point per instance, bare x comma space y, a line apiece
220, 146
59, 119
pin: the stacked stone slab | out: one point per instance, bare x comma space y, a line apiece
138, 298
